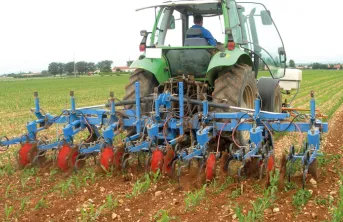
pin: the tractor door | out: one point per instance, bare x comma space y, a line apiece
261, 37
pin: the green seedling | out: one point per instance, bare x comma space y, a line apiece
8, 211
300, 198
260, 204
41, 204
163, 216
23, 203
194, 198
141, 186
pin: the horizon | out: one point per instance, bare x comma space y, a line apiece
114, 66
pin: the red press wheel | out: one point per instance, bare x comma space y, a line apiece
23, 154
106, 158
156, 161
210, 170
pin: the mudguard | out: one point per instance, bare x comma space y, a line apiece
225, 59
158, 67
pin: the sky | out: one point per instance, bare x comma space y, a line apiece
37, 32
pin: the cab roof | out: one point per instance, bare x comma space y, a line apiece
177, 4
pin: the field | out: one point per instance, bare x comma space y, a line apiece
49, 195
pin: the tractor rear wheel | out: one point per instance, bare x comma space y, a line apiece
147, 84
236, 87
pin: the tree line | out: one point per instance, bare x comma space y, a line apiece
81, 67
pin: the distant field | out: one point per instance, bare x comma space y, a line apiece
16, 97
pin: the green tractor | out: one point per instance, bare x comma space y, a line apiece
225, 73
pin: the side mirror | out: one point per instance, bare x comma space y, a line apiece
172, 23
266, 17
282, 55
144, 33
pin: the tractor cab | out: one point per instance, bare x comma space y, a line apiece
244, 34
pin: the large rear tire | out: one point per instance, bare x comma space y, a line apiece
147, 84
236, 87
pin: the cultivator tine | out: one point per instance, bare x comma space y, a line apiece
305, 171
283, 171
201, 176
224, 166
168, 162
125, 165
79, 162
118, 154
39, 157
2, 142
148, 163
312, 169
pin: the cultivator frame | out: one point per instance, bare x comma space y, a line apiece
169, 136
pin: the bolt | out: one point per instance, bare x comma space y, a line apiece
312, 94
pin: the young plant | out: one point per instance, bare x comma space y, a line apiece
41, 204
322, 201
156, 176
337, 213
7, 169
23, 203
236, 193
66, 187
292, 167
91, 176
257, 188
29, 172
290, 186
327, 159
91, 215
140, 186
8, 188
77, 181
23, 182
163, 216
53, 171
193, 198
110, 202
300, 198
8, 211
223, 186
261, 204
37, 181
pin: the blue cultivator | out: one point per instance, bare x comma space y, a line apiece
170, 137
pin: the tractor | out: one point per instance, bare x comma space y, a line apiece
226, 73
